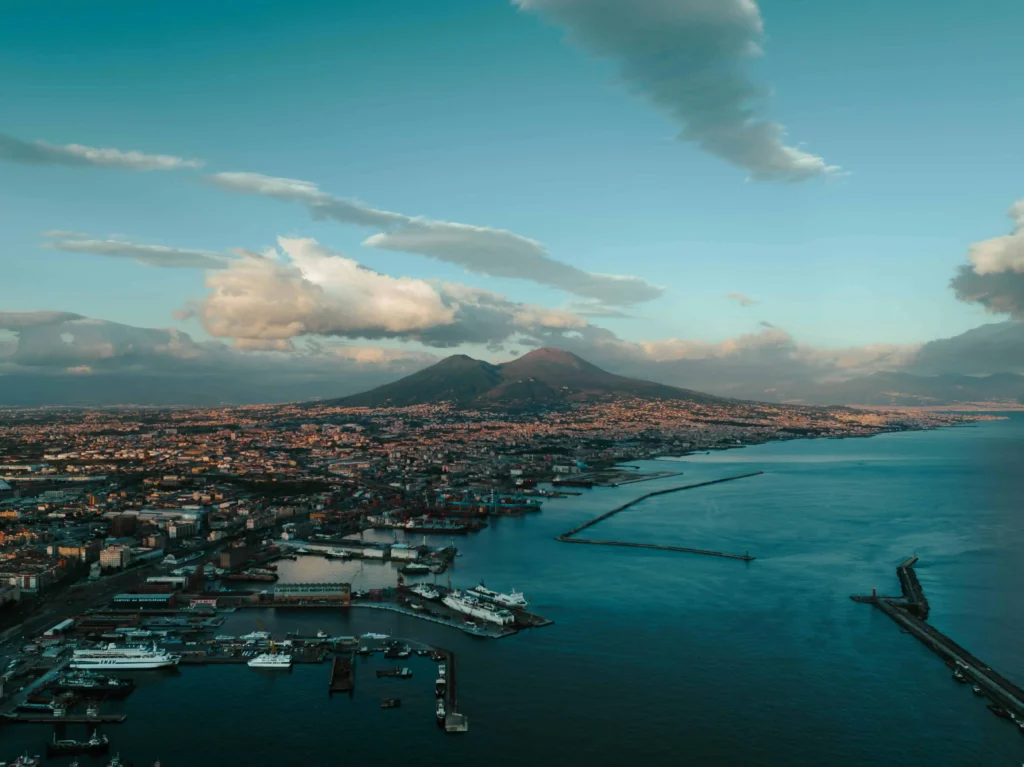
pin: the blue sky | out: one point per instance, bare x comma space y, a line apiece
479, 112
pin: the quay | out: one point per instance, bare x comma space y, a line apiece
342, 678
569, 536
453, 721
909, 610
65, 719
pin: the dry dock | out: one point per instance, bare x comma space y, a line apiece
568, 537
908, 611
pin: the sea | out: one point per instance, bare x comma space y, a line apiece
657, 657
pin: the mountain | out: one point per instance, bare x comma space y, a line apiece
543, 375
916, 390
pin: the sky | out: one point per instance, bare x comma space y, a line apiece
340, 189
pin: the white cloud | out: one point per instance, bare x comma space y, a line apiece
152, 255
41, 153
480, 249
1001, 254
994, 276
307, 289
688, 58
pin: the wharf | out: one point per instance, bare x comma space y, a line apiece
568, 537
29, 718
342, 678
488, 631
908, 611
453, 721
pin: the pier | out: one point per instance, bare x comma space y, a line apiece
909, 611
342, 677
28, 718
569, 536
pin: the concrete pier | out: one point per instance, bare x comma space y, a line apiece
908, 612
568, 537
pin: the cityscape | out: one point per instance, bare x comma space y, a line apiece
511, 382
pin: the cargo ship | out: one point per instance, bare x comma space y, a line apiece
97, 744
253, 576
89, 683
128, 658
440, 527
512, 599
470, 605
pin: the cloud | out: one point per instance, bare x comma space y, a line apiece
741, 299
20, 320
79, 360
994, 276
479, 249
688, 58
306, 289
152, 255
40, 153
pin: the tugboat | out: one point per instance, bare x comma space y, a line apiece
391, 703
97, 744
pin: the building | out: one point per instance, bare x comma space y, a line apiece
83, 552
182, 529
124, 526
233, 556
313, 592
144, 601
116, 557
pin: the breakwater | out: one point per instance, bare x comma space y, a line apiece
569, 536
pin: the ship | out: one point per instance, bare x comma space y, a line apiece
423, 590
441, 527
397, 672
271, 660
256, 636
25, 761
89, 683
415, 568
252, 576
440, 686
513, 599
470, 605
440, 712
97, 744
114, 657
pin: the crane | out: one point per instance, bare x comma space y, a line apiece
270, 639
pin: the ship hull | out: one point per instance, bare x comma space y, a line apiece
125, 665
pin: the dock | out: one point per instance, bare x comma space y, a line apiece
453, 720
342, 678
31, 718
569, 536
909, 612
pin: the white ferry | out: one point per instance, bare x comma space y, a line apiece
116, 657
271, 660
470, 605
514, 599
256, 636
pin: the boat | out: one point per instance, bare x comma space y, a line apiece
116, 762
470, 605
415, 568
959, 677
321, 634
440, 686
271, 660
396, 672
438, 656
999, 711
25, 761
425, 591
442, 670
441, 713
91, 683
391, 703
97, 744
977, 690
512, 599
375, 636
364, 650
115, 657
256, 636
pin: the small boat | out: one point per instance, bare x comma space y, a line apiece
97, 744
397, 672
435, 655
321, 634
959, 677
375, 636
404, 652
364, 650
415, 568
977, 690
116, 762
391, 703
440, 687
442, 670
441, 712
26, 761
999, 711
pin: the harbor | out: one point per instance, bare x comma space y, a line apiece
570, 536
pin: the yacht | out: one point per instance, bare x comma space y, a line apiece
117, 657
271, 660
371, 635
513, 599
423, 590
256, 636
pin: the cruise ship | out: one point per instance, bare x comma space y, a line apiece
470, 605
118, 657
271, 660
514, 599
